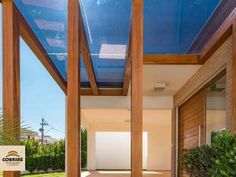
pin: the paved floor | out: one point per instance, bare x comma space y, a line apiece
123, 174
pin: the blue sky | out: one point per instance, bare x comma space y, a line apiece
40, 95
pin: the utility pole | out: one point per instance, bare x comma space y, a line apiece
43, 124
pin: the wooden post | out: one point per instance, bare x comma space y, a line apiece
233, 124
173, 142
11, 74
137, 88
73, 167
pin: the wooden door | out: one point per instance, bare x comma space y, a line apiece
192, 123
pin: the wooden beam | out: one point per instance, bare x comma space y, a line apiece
11, 74
73, 149
85, 52
102, 92
127, 69
177, 59
219, 37
136, 88
233, 107
32, 41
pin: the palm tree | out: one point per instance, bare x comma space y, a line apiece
8, 135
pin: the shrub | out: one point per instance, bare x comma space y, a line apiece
224, 159
58, 155
52, 156
196, 162
31, 148
217, 160
43, 158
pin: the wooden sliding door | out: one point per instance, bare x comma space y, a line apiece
191, 123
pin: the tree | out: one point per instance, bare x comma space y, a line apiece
6, 137
83, 147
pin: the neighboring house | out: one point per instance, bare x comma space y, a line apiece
29, 134
49, 140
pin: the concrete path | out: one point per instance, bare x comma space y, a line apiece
123, 174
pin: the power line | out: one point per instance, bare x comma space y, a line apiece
43, 124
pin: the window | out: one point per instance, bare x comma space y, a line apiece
216, 107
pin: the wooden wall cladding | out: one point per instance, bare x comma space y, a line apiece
215, 21
191, 117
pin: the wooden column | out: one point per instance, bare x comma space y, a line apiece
11, 74
137, 88
234, 80
73, 168
173, 143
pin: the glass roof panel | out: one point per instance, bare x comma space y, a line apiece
170, 26
107, 24
48, 20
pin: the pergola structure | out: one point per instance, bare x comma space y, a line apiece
75, 63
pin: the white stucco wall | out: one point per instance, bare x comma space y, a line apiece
159, 148
113, 150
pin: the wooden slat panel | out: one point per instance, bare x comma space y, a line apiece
233, 123
191, 116
136, 88
11, 73
215, 65
215, 21
219, 37
177, 59
32, 41
73, 168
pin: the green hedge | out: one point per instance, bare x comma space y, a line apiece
224, 159
217, 160
51, 157
197, 161
43, 158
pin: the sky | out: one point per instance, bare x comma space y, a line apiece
40, 95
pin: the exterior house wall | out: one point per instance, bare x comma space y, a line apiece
159, 148
158, 155
113, 150
221, 60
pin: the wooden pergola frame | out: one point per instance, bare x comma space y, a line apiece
14, 26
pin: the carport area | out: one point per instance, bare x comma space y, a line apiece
109, 140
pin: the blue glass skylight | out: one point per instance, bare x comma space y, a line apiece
107, 25
48, 20
170, 27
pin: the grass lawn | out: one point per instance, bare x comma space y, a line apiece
44, 175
